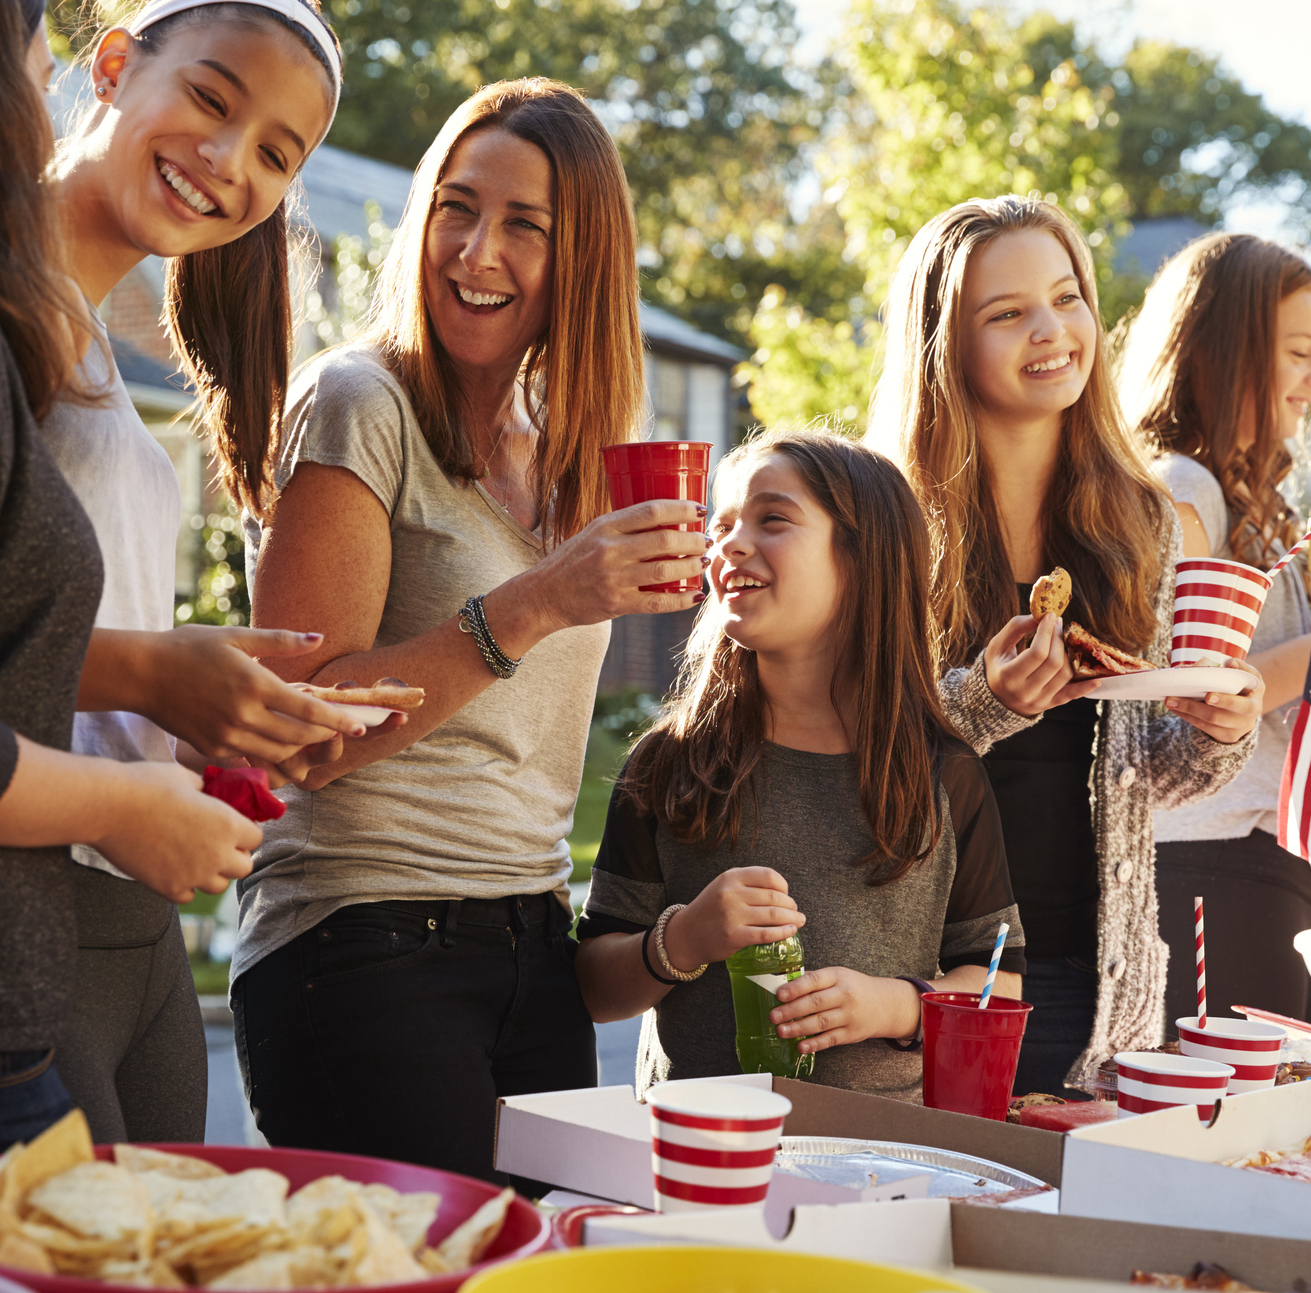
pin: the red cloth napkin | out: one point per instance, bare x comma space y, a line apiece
246, 790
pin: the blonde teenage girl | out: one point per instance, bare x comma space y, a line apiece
996, 395
1216, 374
802, 777
203, 114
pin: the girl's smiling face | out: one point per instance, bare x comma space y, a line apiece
1029, 336
1293, 361
489, 253
773, 570
203, 136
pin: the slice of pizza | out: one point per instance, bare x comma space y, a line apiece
1205, 1275
386, 693
1090, 657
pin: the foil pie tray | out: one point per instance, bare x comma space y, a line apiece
861, 1163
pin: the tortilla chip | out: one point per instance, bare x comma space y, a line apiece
139, 1159
433, 1262
55, 1150
97, 1200
386, 1258
24, 1255
469, 1241
409, 1215
255, 1198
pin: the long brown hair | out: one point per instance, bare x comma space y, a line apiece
228, 310
582, 378
694, 768
1203, 344
1103, 507
40, 315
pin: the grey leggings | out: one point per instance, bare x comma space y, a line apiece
133, 1057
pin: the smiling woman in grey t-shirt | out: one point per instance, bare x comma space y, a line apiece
403, 955
1217, 370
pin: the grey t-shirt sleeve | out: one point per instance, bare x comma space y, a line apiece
8, 756
1191, 483
627, 891
348, 412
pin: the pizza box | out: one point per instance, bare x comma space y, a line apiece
597, 1141
1166, 1167
994, 1248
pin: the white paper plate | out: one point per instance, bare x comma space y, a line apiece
369, 715
1189, 683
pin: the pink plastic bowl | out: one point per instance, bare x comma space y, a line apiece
525, 1230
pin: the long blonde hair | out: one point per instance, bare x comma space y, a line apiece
693, 770
1103, 507
582, 378
1205, 342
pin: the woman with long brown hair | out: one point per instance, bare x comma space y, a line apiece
802, 776
1215, 373
148, 817
997, 397
403, 956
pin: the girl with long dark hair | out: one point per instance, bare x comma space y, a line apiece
202, 115
802, 777
997, 397
1215, 373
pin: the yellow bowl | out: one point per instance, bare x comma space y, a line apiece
675, 1269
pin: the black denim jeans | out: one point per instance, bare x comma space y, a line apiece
391, 1028
1063, 992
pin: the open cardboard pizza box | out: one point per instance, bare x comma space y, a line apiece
994, 1248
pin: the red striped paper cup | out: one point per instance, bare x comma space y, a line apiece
713, 1144
1147, 1082
1216, 606
1249, 1047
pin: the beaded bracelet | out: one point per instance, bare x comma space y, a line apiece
473, 620
682, 976
646, 960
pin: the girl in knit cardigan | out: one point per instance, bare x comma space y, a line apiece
996, 396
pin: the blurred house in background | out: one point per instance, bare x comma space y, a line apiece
688, 372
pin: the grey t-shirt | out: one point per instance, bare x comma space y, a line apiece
1251, 800
481, 806
124, 479
811, 828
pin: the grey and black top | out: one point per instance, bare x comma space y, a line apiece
50, 581
810, 827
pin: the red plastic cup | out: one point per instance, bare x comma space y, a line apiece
652, 469
970, 1054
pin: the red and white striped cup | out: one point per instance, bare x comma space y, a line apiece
1147, 1082
1216, 606
1249, 1047
713, 1144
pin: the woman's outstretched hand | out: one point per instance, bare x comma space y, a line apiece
1226, 719
206, 686
1030, 680
599, 573
743, 907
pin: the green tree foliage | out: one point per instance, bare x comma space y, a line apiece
221, 595
708, 109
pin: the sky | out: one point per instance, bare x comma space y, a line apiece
1265, 43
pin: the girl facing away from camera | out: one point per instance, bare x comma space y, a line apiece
201, 116
997, 398
1216, 374
803, 777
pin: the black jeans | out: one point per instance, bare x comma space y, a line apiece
391, 1028
1258, 898
1063, 993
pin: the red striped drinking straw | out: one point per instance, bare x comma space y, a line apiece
1200, 938
1290, 554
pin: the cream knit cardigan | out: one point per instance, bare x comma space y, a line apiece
1144, 758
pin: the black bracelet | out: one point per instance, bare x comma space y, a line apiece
646, 960
473, 620
917, 1041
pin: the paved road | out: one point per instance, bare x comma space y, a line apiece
229, 1121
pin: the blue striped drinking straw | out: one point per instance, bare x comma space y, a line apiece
992, 965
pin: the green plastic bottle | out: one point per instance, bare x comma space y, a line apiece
756, 974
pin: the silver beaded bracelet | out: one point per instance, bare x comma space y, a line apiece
473, 620
658, 940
